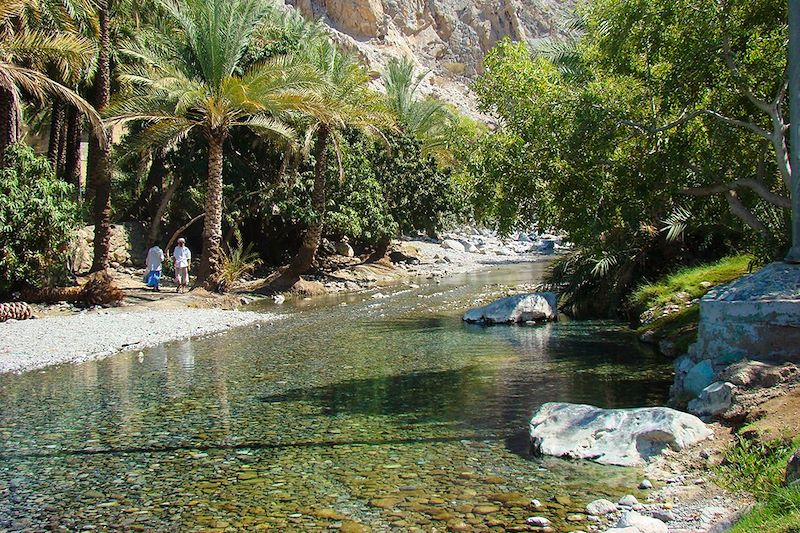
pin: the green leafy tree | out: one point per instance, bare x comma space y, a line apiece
657, 140
189, 77
389, 193
38, 216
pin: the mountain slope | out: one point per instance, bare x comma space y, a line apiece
448, 37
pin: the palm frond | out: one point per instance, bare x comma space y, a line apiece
676, 223
266, 126
39, 87
65, 50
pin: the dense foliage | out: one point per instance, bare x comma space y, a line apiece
645, 141
390, 191
38, 215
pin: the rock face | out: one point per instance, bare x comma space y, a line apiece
514, 309
623, 437
127, 247
755, 318
448, 37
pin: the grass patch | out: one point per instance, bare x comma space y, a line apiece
690, 280
681, 288
758, 468
680, 327
779, 514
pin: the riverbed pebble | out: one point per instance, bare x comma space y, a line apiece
538, 521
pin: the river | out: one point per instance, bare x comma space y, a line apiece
353, 412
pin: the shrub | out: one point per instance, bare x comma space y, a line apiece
37, 218
237, 262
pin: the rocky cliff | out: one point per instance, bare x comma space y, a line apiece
448, 37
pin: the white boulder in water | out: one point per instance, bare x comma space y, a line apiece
623, 437
519, 308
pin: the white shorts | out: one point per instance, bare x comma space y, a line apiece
182, 275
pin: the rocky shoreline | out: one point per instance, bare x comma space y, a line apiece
98, 333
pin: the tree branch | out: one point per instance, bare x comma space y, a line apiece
743, 213
686, 116
756, 186
737, 75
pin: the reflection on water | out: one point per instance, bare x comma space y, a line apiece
390, 413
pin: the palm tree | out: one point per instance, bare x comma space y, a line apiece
24, 53
425, 118
190, 76
348, 102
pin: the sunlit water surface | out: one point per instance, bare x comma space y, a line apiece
354, 412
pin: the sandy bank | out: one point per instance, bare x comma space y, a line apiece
32, 344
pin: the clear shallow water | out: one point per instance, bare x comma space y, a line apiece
385, 412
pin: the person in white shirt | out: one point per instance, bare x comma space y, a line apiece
183, 258
155, 256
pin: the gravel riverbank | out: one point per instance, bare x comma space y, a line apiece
31, 344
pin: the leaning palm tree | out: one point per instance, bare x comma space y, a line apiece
24, 53
425, 118
190, 76
348, 102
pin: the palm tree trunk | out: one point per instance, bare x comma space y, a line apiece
56, 143
9, 131
99, 171
210, 263
72, 156
308, 249
63, 146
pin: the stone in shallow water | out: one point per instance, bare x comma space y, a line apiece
329, 514
385, 503
538, 521
624, 437
353, 527
601, 507
563, 499
644, 524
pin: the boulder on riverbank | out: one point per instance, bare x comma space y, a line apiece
624, 437
536, 306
